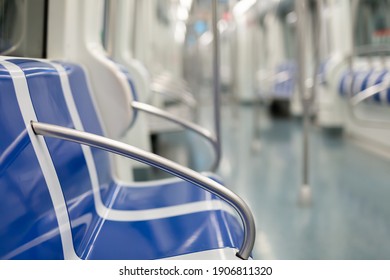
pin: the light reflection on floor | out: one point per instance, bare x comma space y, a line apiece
350, 214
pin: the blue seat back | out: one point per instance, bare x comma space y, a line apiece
27, 216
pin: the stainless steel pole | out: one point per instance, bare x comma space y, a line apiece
301, 10
216, 83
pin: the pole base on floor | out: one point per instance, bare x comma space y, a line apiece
256, 146
305, 196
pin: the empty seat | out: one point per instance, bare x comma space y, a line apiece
376, 78
285, 79
344, 84
352, 81
100, 218
361, 80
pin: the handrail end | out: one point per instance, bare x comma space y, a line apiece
240, 257
32, 127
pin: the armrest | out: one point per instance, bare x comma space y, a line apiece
206, 134
368, 92
174, 92
175, 169
355, 100
169, 80
367, 50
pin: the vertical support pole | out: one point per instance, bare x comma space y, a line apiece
134, 28
350, 61
317, 42
305, 195
216, 83
109, 26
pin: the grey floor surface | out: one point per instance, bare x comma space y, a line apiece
349, 217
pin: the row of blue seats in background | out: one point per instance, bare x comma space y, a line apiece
359, 80
286, 75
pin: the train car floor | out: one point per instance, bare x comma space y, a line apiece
349, 217
350, 213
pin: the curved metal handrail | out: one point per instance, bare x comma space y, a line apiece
174, 93
370, 91
206, 134
166, 165
363, 95
216, 80
353, 101
173, 86
166, 77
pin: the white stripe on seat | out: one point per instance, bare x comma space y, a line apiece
44, 159
130, 215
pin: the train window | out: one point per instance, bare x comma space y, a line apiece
22, 27
11, 30
373, 22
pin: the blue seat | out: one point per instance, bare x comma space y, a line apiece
322, 71
284, 86
362, 80
378, 79
345, 83
27, 214
108, 220
351, 81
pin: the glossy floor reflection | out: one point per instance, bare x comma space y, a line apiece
350, 213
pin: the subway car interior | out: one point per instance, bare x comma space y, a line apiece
194, 129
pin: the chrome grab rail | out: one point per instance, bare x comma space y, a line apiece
206, 134
353, 101
167, 85
166, 77
170, 84
368, 92
216, 80
166, 165
174, 93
